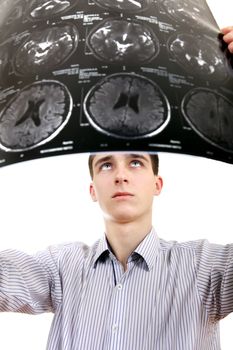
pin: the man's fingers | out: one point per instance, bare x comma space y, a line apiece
226, 30
228, 37
230, 47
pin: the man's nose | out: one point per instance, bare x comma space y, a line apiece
121, 175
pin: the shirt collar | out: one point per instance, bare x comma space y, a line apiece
147, 249
102, 250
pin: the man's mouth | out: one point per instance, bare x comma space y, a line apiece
122, 194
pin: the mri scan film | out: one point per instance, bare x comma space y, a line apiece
99, 75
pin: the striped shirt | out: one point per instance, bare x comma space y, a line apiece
172, 295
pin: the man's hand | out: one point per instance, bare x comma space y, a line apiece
228, 37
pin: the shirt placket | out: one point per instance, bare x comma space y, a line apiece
117, 305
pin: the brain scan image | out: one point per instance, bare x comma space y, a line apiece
184, 11
34, 116
127, 106
118, 40
40, 9
211, 116
198, 56
46, 49
124, 5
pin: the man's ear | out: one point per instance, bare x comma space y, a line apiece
92, 192
158, 185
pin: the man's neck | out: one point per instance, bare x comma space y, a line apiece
124, 238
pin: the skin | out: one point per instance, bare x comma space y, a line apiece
124, 186
228, 37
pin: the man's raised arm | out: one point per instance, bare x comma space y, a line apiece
28, 283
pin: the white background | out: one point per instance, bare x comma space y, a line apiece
47, 201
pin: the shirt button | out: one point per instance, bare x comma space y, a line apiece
114, 328
119, 286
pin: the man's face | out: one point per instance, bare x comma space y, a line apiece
124, 185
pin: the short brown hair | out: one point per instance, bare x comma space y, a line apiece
153, 157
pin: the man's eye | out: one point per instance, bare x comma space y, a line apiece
136, 163
105, 166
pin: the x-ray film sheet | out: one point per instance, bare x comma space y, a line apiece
107, 75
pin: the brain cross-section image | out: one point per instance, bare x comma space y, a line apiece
127, 106
123, 41
34, 116
46, 49
40, 9
211, 116
125, 5
184, 11
200, 56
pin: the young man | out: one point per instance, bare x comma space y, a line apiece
130, 290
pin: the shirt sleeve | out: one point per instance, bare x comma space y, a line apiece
214, 264
29, 284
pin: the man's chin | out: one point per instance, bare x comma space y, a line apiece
123, 216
